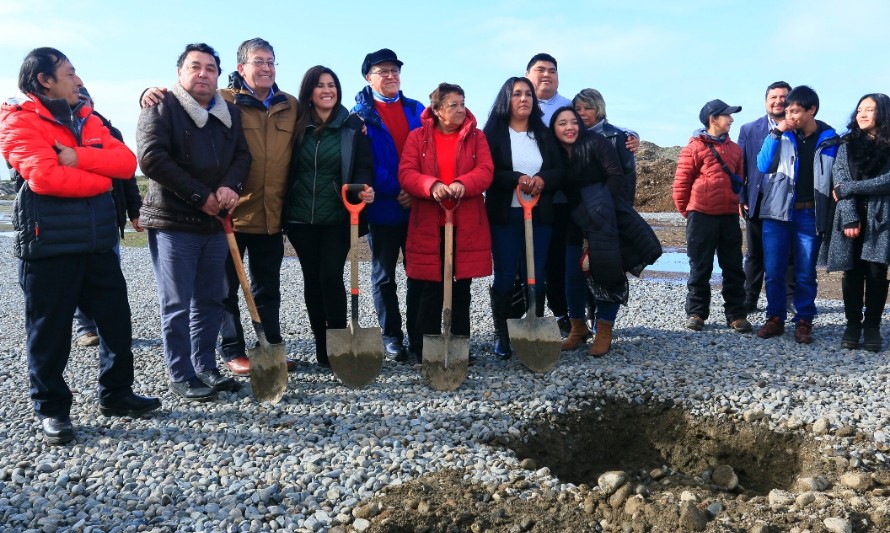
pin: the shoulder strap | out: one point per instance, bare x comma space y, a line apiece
736, 180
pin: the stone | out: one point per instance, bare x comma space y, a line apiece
753, 415
804, 498
821, 426
611, 481
634, 504
692, 518
528, 464
361, 525
687, 496
813, 484
794, 423
857, 481
759, 528
725, 478
617, 499
838, 525
780, 497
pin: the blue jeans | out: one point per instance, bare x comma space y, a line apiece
82, 323
386, 241
190, 275
576, 289
779, 238
53, 288
508, 252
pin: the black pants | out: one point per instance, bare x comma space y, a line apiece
322, 251
53, 289
866, 283
264, 256
705, 235
556, 263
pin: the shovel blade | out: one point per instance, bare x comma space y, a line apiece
445, 360
268, 371
356, 355
536, 341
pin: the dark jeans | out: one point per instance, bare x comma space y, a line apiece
53, 288
705, 235
322, 251
386, 242
508, 253
264, 256
556, 263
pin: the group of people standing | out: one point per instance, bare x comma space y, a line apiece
805, 193
275, 164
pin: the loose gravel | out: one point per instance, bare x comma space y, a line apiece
307, 463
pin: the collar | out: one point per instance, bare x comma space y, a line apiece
380, 98
197, 113
267, 101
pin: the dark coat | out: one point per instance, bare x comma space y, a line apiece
127, 199
500, 195
187, 163
750, 140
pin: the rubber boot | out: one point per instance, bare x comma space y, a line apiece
500, 307
602, 341
852, 288
875, 297
577, 335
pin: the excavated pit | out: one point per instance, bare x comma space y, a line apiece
578, 447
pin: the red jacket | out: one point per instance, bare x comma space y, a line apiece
417, 174
28, 132
700, 183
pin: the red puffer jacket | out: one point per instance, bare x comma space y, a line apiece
700, 183
417, 174
28, 132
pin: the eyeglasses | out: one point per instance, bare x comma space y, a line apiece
258, 63
387, 72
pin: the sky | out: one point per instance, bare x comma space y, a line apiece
655, 62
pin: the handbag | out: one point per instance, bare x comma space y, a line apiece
735, 180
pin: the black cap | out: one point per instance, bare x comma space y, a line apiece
714, 108
380, 56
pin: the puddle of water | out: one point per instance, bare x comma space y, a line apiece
677, 263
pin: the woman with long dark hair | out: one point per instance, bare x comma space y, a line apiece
330, 150
526, 155
860, 240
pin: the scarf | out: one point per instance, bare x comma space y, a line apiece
196, 111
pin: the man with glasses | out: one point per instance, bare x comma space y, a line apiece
388, 116
268, 116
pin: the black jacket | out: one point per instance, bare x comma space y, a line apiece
500, 195
127, 200
187, 163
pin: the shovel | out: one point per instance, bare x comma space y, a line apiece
446, 357
536, 340
268, 362
355, 352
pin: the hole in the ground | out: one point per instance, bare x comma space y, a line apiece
580, 446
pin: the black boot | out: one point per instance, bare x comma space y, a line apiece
875, 297
852, 334
852, 288
500, 307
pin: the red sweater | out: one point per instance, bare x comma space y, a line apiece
418, 171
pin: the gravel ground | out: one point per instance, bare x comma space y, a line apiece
312, 462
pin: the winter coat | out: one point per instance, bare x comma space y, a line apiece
418, 173
321, 164
188, 153
626, 158
499, 197
778, 160
127, 198
751, 137
62, 210
700, 183
270, 135
386, 208
875, 229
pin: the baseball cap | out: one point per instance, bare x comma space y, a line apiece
714, 108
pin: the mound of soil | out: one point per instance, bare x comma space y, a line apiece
655, 176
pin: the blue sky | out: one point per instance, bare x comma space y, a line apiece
656, 63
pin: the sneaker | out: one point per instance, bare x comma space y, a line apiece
740, 325
773, 327
803, 331
695, 323
88, 339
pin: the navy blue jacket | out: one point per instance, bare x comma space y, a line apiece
386, 208
751, 138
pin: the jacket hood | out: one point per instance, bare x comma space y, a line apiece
702, 133
428, 122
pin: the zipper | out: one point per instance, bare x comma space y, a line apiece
314, 181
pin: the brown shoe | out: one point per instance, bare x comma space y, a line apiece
803, 332
740, 325
602, 341
577, 335
240, 366
88, 339
695, 323
772, 328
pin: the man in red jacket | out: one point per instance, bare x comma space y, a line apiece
706, 192
66, 231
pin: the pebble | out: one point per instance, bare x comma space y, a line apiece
725, 478
857, 481
692, 518
780, 497
838, 525
610, 481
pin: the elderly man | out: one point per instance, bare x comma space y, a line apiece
389, 117
68, 161
193, 149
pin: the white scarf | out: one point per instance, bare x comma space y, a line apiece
197, 112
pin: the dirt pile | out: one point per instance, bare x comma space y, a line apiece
655, 175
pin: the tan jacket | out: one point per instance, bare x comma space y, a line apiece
270, 135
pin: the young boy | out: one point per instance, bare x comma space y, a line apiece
706, 188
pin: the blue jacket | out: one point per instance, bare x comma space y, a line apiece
386, 208
751, 138
778, 160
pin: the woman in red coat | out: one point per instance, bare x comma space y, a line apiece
446, 164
